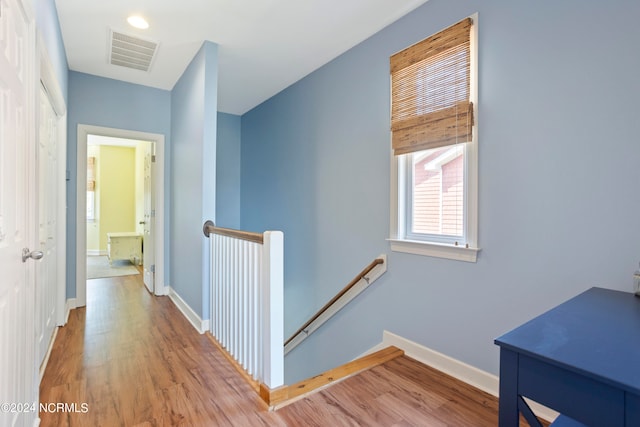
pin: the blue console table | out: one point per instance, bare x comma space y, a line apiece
581, 359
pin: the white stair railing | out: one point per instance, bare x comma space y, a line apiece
247, 299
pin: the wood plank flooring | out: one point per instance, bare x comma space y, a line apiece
132, 359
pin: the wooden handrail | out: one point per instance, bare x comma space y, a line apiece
209, 228
339, 295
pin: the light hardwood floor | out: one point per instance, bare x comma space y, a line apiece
134, 360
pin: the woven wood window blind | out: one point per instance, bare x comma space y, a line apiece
430, 82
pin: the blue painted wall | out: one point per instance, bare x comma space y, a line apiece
228, 171
558, 180
193, 176
111, 103
191, 108
49, 28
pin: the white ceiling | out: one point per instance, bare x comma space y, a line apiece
264, 45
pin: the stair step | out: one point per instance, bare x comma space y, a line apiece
288, 394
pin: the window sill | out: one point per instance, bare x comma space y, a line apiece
458, 253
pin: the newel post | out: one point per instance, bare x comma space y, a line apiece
273, 308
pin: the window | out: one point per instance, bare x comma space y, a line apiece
91, 205
435, 179
434, 164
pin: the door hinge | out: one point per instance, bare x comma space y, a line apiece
153, 213
153, 268
153, 158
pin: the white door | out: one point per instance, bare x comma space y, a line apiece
17, 215
47, 268
148, 259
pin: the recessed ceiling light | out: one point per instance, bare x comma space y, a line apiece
138, 22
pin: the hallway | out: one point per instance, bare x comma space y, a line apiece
135, 360
131, 359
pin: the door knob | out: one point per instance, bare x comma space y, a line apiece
26, 254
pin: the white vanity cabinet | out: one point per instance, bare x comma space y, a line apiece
125, 246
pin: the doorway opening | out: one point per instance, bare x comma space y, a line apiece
120, 208
120, 203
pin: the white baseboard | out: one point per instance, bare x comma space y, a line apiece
69, 305
200, 325
460, 370
96, 252
161, 290
469, 374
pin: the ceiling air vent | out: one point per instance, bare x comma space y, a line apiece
131, 51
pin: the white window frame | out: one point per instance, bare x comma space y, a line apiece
402, 241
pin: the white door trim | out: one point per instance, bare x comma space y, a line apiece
81, 206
